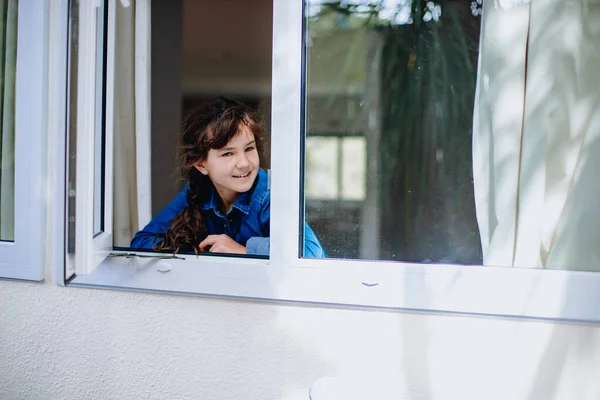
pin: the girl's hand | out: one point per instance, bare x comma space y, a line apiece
221, 244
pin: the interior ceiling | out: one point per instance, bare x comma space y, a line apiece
226, 43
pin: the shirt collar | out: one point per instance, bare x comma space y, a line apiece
242, 203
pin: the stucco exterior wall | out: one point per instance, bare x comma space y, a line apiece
71, 343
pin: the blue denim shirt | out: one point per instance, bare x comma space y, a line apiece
248, 221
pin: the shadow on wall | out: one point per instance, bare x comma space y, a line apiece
564, 52
87, 343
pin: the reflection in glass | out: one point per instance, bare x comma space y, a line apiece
99, 125
73, 63
353, 168
335, 168
478, 152
8, 63
396, 81
322, 167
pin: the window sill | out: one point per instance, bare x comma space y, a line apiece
508, 292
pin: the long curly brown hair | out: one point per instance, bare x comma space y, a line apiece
210, 126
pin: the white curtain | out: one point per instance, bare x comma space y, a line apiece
8, 64
132, 190
536, 134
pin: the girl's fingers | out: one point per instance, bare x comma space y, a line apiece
209, 241
221, 244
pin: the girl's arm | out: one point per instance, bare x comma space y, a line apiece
261, 245
312, 246
144, 239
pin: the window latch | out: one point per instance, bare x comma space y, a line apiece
156, 257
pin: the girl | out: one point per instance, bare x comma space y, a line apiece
225, 205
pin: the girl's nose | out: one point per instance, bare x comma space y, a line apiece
243, 161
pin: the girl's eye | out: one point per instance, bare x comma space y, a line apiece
250, 148
228, 154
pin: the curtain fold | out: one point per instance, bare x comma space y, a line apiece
8, 66
132, 182
497, 128
537, 154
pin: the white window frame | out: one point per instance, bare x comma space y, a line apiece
515, 292
92, 247
23, 258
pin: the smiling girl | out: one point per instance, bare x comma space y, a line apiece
225, 206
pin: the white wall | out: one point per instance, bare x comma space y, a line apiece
70, 343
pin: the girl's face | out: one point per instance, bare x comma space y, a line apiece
233, 168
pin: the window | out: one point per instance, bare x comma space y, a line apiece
125, 101
22, 130
388, 126
335, 190
441, 190
335, 168
408, 90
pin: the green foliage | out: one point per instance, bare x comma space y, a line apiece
429, 77
427, 69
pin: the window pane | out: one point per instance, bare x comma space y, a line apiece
8, 63
353, 168
335, 168
496, 167
322, 166
98, 91
398, 96
72, 124
100, 115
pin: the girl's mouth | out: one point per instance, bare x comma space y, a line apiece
242, 175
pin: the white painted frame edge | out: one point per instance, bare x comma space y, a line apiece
24, 257
91, 250
513, 292
60, 69
528, 293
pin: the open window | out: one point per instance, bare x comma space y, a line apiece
92, 87
23, 70
407, 134
126, 98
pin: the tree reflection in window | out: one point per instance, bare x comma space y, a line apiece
400, 74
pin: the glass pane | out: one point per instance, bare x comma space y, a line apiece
354, 168
395, 82
322, 167
496, 167
100, 118
8, 62
72, 124
75, 30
